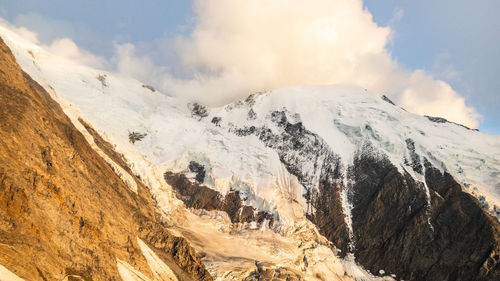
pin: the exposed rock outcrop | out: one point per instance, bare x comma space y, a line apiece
394, 223
197, 196
271, 272
64, 213
397, 231
442, 120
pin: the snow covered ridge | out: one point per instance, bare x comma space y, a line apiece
344, 117
252, 146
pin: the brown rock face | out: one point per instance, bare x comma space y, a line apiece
63, 211
396, 230
197, 196
329, 216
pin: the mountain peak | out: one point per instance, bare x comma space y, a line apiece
321, 182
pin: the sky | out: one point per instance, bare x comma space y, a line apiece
432, 57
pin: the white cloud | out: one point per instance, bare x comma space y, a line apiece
396, 16
22, 31
62, 46
239, 46
427, 96
129, 63
66, 48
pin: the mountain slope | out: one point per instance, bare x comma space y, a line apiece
64, 213
394, 210
404, 195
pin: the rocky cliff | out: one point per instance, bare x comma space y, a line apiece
64, 212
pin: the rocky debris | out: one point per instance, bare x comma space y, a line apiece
245, 131
270, 272
216, 121
414, 162
192, 194
251, 115
496, 211
197, 196
198, 169
250, 100
136, 136
386, 99
102, 78
64, 213
443, 120
149, 87
483, 202
175, 252
198, 110
437, 119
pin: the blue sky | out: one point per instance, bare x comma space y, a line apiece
459, 35
455, 41
95, 24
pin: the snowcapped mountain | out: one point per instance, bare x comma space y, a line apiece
316, 182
